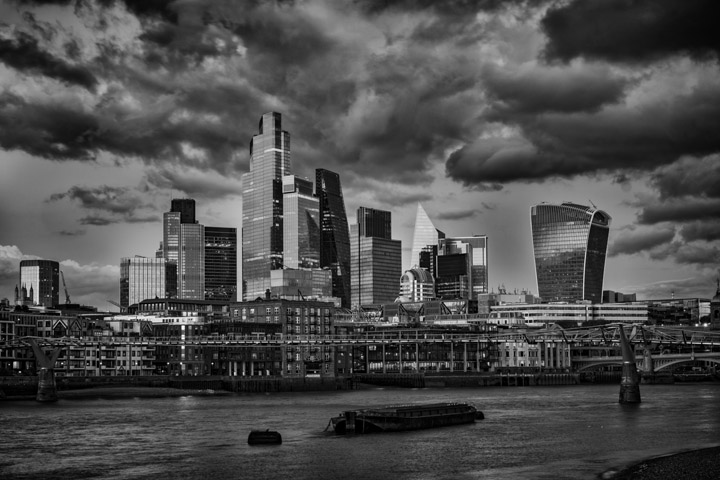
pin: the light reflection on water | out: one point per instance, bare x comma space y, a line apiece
528, 432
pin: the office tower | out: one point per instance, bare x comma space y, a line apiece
191, 262
262, 228
144, 278
424, 234
374, 223
301, 224
221, 263
184, 244
475, 248
569, 244
334, 233
454, 276
417, 285
40, 282
185, 207
428, 259
375, 261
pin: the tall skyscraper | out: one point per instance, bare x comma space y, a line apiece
142, 278
475, 248
334, 233
301, 224
569, 244
39, 282
185, 207
425, 234
374, 223
184, 244
375, 261
262, 223
221, 263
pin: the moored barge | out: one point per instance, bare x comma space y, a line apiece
399, 418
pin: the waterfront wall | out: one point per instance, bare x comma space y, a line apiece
419, 380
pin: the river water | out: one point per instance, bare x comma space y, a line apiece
528, 432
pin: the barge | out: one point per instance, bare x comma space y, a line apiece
264, 437
400, 418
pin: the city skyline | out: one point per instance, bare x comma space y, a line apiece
477, 111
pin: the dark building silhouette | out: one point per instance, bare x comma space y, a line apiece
221, 263
185, 207
334, 233
570, 244
374, 223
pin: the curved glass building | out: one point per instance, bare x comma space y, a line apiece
569, 244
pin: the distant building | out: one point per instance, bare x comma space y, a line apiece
608, 296
476, 251
262, 222
39, 283
142, 278
569, 245
715, 309
453, 276
301, 224
334, 233
185, 207
184, 243
373, 223
424, 235
221, 263
298, 284
577, 314
417, 285
375, 261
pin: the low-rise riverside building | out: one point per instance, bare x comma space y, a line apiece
578, 314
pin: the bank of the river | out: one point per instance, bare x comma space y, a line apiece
701, 464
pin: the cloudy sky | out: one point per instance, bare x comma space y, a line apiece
476, 109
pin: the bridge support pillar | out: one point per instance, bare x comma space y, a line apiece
47, 389
630, 383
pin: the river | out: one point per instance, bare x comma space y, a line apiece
528, 432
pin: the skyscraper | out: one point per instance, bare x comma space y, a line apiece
142, 278
424, 234
569, 244
40, 282
221, 263
374, 223
334, 233
184, 244
301, 224
262, 223
375, 261
475, 248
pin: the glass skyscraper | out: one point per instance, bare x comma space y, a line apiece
475, 248
184, 244
334, 233
143, 278
262, 223
221, 263
39, 282
424, 234
375, 261
570, 244
374, 223
301, 224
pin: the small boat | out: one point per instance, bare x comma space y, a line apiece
264, 437
399, 418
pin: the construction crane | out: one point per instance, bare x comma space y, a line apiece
67, 295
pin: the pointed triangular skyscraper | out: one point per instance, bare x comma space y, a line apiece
425, 234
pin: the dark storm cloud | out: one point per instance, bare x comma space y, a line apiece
71, 233
700, 254
457, 215
689, 176
24, 54
553, 89
632, 31
193, 185
616, 138
397, 198
458, 8
631, 241
108, 204
680, 210
708, 230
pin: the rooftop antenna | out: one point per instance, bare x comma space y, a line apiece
591, 203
